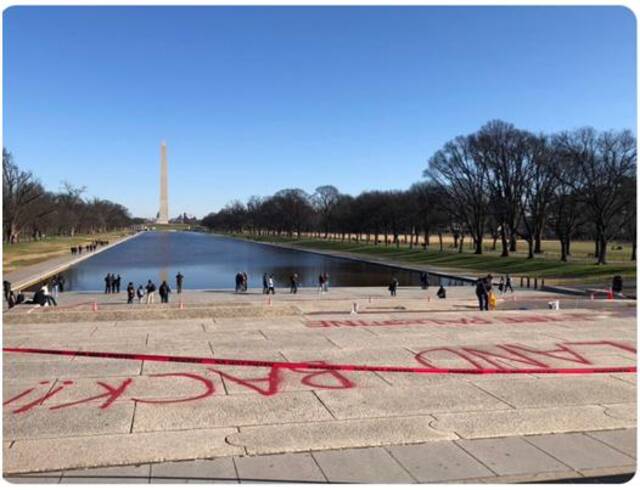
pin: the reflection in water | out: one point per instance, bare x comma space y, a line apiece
208, 261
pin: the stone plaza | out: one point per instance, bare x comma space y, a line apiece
347, 386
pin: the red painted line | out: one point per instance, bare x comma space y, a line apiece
319, 366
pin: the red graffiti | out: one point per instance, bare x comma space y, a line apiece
272, 380
461, 321
504, 355
208, 384
111, 395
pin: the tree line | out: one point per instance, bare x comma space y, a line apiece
30, 212
500, 182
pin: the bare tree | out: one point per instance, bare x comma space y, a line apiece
601, 163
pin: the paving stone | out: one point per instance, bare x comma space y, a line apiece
391, 400
293, 468
626, 412
369, 465
113, 474
440, 461
524, 421
70, 369
38, 478
511, 456
568, 390
219, 470
623, 440
121, 449
231, 410
340, 434
580, 451
87, 420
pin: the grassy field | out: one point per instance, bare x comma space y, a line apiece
28, 253
580, 270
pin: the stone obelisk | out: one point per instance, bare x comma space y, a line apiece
163, 215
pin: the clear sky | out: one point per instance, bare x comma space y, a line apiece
253, 100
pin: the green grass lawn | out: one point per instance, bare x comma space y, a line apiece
15, 256
582, 270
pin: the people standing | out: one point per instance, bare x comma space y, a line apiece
265, 284
117, 283
321, 284
107, 283
325, 278
6, 286
164, 291
61, 282
424, 280
238, 282
179, 279
245, 282
271, 285
482, 293
393, 285
294, 283
501, 287
140, 293
131, 293
151, 292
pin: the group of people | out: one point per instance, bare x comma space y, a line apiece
91, 247
242, 282
112, 284
149, 291
268, 284
485, 294
424, 284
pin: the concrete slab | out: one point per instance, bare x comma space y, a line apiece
438, 462
473, 425
370, 465
626, 412
394, 401
74, 421
219, 470
37, 478
623, 440
580, 451
231, 410
318, 436
282, 468
569, 390
511, 456
126, 449
114, 474
70, 369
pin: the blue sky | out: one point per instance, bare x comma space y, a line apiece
252, 100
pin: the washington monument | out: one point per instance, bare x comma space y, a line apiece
163, 215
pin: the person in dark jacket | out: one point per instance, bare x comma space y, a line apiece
393, 286
164, 291
117, 283
265, 284
294, 283
616, 285
151, 292
424, 280
179, 279
131, 293
442, 292
108, 283
482, 293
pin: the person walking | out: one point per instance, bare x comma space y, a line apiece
107, 284
294, 283
270, 285
179, 279
501, 287
424, 280
151, 292
321, 284
507, 284
265, 284
131, 293
140, 293
164, 291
